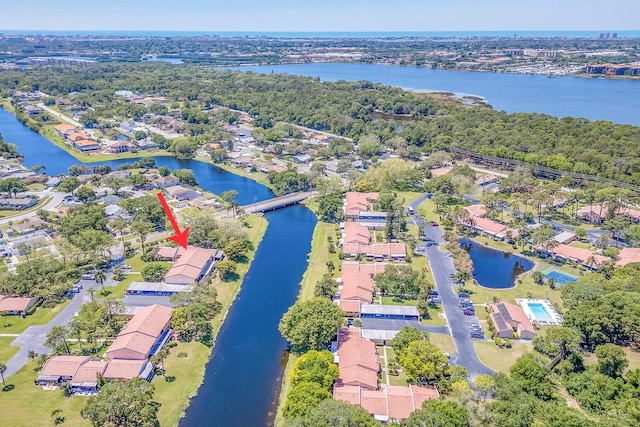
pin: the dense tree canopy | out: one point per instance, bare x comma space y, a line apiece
311, 324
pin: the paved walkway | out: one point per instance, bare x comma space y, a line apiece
443, 271
33, 337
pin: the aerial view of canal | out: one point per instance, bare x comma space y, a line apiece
241, 384
493, 268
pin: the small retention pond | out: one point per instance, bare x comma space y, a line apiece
495, 269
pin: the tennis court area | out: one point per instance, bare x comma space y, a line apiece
561, 277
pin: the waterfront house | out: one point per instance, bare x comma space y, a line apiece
64, 129
181, 193
508, 318
193, 266
143, 335
166, 181
86, 145
353, 232
125, 369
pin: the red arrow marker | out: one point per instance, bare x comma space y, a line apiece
181, 236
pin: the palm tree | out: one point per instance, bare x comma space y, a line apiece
99, 277
142, 229
75, 328
91, 292
3, 369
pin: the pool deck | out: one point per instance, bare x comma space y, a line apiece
555, 316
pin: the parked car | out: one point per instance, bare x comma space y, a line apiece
88, 276
434, 224
463, 295
468, 312
126, 267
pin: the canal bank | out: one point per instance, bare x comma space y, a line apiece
241, 378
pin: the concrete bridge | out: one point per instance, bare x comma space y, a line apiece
278, 202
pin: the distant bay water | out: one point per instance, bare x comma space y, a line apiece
329, 34
616, 100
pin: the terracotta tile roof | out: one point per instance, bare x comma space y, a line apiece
356, 233
64, 366
357, 202
514, 315
358, 360
136, 342
374, 402
64, 127
191, 263
78, 136
17, 303
491, 226
89, 371
150, 320
378, 250
169, 253
350, 306
124, 369
356, 284
626, 256
347, 393
476, 210
579, 254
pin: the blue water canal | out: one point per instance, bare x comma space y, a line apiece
241, 384
495, 269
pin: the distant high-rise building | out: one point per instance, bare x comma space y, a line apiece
601, 35
614, 35
607, 35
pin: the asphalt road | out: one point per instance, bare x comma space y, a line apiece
443, 270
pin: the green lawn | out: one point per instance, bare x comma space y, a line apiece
501, 359
443, 342
434, 317
17, 324
28, 405
7, 351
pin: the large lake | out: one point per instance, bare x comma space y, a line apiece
591, 98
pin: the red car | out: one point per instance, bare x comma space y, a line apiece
434, 224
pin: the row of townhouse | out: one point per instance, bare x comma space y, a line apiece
126, 358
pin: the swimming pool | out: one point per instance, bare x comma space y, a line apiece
539, 311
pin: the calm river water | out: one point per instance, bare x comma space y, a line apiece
242, 379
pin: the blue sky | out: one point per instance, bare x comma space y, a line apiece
320, 15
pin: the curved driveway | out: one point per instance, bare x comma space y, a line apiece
443, 271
